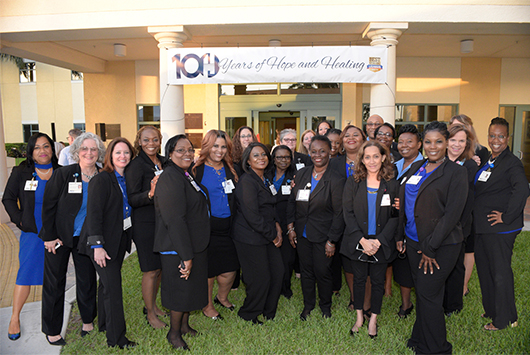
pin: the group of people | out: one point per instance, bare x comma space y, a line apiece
349, 200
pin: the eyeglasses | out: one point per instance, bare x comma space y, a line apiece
500, 136
246, 136
184, 151
86, 149
373, 124
383, 134
283, 157
289, 140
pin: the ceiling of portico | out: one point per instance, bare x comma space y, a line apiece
88, 50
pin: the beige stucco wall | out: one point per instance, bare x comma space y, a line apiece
147, 87
480, 92
352, 104
11, 108
111, 98
515, 76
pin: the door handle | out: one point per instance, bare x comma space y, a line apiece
520, 154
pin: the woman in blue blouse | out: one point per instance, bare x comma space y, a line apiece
22, 200
215, 171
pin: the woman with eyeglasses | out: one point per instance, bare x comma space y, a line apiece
501, 190
281, 175
242, 138
371, 223
182, 236
23, 198
315, 225
385, 135
288, 138
215, 171
431, 206
142, 176
258, 236
64, 211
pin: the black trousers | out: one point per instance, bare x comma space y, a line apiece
288, 257
429, 334
377, 272
493, 257
53, 287
262, 266
454, 286
336, 269
111, 317
315, 267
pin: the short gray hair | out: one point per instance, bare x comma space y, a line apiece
74, 133
76, 146
287, 131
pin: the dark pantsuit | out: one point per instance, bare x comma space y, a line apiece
111, 317
288, 257
315, 267
376, 271
336, 269
429, 334
263, 269
454, 286
493, 256
55, 269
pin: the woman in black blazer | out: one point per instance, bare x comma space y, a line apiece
23, 198
64, 213
501, 190
371, 222
215, 171
107, 236
258, 236
315, 224
281, 175
182, 236
141, 177
429, 221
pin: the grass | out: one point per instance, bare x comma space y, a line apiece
288, 335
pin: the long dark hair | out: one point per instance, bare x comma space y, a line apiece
386, 171
108, 164
206, 147
246, 155
237, 153
31, 147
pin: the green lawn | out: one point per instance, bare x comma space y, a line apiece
288, 335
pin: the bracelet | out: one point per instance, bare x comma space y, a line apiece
290, 230
330, 245
149, 195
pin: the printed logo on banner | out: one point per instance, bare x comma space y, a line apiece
207, 65
374, 64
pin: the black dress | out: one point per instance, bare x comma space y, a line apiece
182, 226
139, 174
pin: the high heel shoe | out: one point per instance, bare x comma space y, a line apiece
353, 332
404, 313
13, 337
373, 336
58, 342
367, 314
216, 301
217, 317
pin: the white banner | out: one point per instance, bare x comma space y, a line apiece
357, 64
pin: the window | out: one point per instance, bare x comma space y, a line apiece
80, 126
148, 115
29, 130
280, 89
77, 76
28, 73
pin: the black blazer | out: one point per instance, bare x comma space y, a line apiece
138, 176
60, 208
322, 214
20, 204
355, 210
104, 216
505, 191
466, 220
281, 199
338, 164
301, 158
439, 206
483, 153
182, 221
199, 173
255, 220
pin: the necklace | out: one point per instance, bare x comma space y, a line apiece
89, 177
46, 173
315, 176
437, 161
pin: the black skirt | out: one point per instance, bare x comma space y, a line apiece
144, 237
222, 253
182, 295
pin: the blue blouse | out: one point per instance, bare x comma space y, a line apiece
213, 181
372, 208
313, 185
81, 215
401, 162
126, 206
278, 183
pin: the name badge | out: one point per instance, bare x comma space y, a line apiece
413, 180
127, 223
404, 180
385, 201
228, 186
75, 188
286, 189
300, 166
194, 184
484, 176
31, 185
303, 195
273, 190
158, 172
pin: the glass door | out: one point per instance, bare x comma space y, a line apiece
522, 141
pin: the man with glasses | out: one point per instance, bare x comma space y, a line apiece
288, 138
372, 123
64, 157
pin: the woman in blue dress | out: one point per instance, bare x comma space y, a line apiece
23, 202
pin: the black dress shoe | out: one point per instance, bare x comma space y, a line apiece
216, 300
403, 313
129, 345
256, 321
84, 333
59, 342
326, 314
305, 313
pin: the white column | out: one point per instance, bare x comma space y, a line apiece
171, 96
383, 96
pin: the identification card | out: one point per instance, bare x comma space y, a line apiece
300, 166
273, 190
385, 201
127, 223
413, 180
303, 195
484, 176
158, 172
75, 188
286, 189
31, 185
194, 184
228, 186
